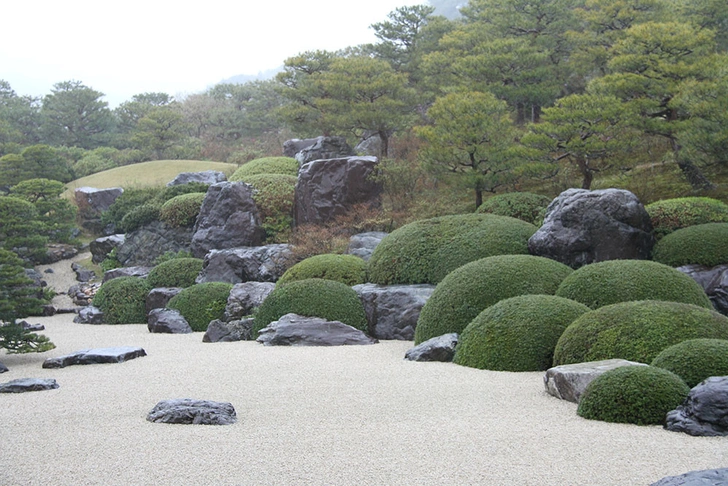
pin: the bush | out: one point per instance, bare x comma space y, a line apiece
181, 211
704, 244
639, 395
525, 206
274, 197
695, 360
614, 281
123, 300
427, 250
202, 303
636, 331
517, 334
129, 200
178, 272
672, 214
266, 165
347, 269
170, 192
470, 289
315, 297
139, 216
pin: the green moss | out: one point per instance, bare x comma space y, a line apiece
139, 216
525, 206
274, 196
177, 272
181, 211
695, 360
202, 303
517, 334
703, 244
672, 214
347, 269
467, 291
123, 300
266, 165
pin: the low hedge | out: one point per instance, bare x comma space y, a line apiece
347, 269
202, 303
669, 215
525, 206
266, 165
181, 211
123, 300
177, 272
703, 244
695, 360
139, 216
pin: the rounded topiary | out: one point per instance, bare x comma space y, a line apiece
636, 331
266, 165
177, 272
703, 244
139, 216
525, 206
427, 250
695, 360
181, 211
347, 269
669, 215
639, 395
202, 303
274, 196
173, 191
315, 297
467, 291
614, 281
123, 300
517, 334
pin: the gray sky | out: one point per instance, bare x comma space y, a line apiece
137, 46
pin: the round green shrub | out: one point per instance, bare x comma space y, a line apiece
274, 197
467, 291
694, 360
266, 165
517, 334
427, 250
636, 331
123, 300
315, 297
640, 395
129, 200
703, 244
173, 191
669, 215
202, 303
614, 281
139, 216
525, 206
347, 269
177, 272
181, 211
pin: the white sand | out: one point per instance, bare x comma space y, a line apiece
346, 415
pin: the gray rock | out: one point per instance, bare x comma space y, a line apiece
101, 247
159, 297
392, 310
583, 227
324, 148
714, 281
245, 297
144, 245
31, 327
707, 477
89, 315
82, 275
363, 244
440, 348
705, 411
221, 332
92, 201
95, 356
139, 271
371, 144
568, 382
295, 330
23, 385
83, 293
167, 321
206, 177
295, 145
190, 411
55, 252
247, 264
3, 368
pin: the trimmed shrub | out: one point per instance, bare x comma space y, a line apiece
173, 191
202, 303
636, 331
266, 165
427, 250
672, 214
177, 272
525, 206
695, 360
139, 216
123, 300
274, 197
470, 289
347, 269
129, 199
517, 334
181, 211
614, 281
640, 395
703, 244
315, 297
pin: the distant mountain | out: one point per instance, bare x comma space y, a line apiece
448, 8
245, 78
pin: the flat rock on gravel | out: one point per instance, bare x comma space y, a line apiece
708, 477
95, 356
23, 385
191, 411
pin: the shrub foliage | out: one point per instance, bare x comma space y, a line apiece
177, 272
202, 303
703, 244
695, 360
266, 165
274, 197
525, 206
669, 215
123, 300
181, 211
139, 216
347, 269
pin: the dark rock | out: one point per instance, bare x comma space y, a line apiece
714, 281
89, 315
190, 411
245, 297
440, 348
82, 275
83, 293
295, 145
31, 327
707, 477
48, 310
23, 385
324, 148
93, 202
363, 244
140, 271
95, 356
101, 247
36, 278
705, 411
568, 382
295, 330
167, 321
392, 310
56, 252
219, 331
206, 177
247, 264
159, 297
583, 227
144, 245
48, 270
3, 368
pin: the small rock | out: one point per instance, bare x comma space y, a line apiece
707, 477
363, 244
23, 385
48, 270
159, 297
440, 348
219, 331
82, 275
89, 315
31, 327
167, 321
95, 356
191, 411
245, 297
3, 368
295, 330
568, 382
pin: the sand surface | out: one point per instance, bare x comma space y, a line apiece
357, 415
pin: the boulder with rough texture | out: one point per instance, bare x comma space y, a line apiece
158, 298
295, 330
222, 332
714, 281
440, 348
191, 411
705, 411
167, 321
248, 264
295, 145
371, 144
582, 227
144, 245
101, 247
82, 275
92, 201
55, 252
245, 297
568, 382
706, 477
363, 244
206, 177
324, 148
140, 271
89, 315
23, 385
229, 218
392, 310
95, 356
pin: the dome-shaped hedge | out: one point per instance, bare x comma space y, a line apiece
695, 360
467, 291
266, 165
274, 196
315, 297
703, 244
202, 303
525, 206
614, 281
181, 211
177, 272
669, 215
347, 269
123, 300
639, 395
427, 250
517, 334
139, 216
636, 331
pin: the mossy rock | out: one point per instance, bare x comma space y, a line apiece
181, 211
641, 395
703, 244
636, 331
470, 289
670, 215
517, 334
202, 303
140, 216
695, 360
347, 269
525, 206
423, 252
177, 272
123, 300
314, 297
614, 281
266, 165
274, 195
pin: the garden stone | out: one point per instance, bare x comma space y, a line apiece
245, 297
568, 382
371, 144
392, 310
139, 271
167, 321
247, 264
206, 177
83, 293
31, 327
295, 330
3, 368
363, 244
159, 297
324, 148
295, 145
93, 202
23, 385
95, 356
704, 412
440, 348
101, 247
55, 252
707, 477
89, 315
714, 281
144, 245
222, 332
82, 275
190, 411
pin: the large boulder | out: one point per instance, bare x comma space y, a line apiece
92, 201
229, 218
440, 348
363, 244
583, 227
167, 321
101, 247
322, 148
249, 264
295, 330
569, 382
704, 412
206, 177
95, 356
714, 281
144, 245
392, 310
245, 297
222, 332
706, 477
191, 411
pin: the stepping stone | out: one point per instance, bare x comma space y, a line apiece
191, 411
708, 477
95, 356
23, 385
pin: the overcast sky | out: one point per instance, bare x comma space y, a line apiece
136, 46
